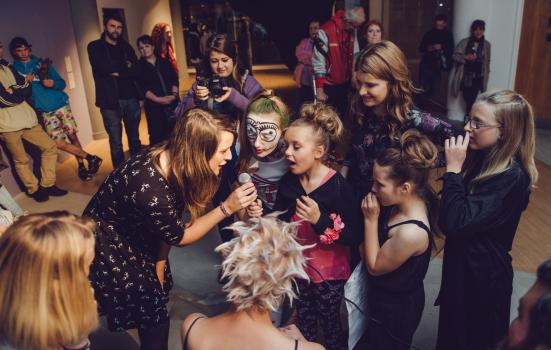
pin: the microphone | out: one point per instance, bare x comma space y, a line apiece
244, 178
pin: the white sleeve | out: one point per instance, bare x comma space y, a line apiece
318, 59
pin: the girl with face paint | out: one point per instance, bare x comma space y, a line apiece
261, 151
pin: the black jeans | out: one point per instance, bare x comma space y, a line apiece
128, 112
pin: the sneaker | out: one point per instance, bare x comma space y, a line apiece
54, 191
39, 195
94, 162
83, 174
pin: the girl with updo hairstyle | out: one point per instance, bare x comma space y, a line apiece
260, 267
320, 199
399, 223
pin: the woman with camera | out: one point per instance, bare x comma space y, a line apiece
221, 85
159, 82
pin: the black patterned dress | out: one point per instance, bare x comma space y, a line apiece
134, 210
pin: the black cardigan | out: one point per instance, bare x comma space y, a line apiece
149, 78
479, 226
334, 196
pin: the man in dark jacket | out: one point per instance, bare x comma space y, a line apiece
437, 49
114, 66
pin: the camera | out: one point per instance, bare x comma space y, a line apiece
215, 84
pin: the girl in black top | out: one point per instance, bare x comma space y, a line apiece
159, 82
327, 209
486, 188
397, 243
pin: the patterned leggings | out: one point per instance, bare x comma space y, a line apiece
322, 302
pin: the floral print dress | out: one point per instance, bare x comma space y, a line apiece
134, 209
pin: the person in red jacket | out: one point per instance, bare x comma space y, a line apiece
334, 49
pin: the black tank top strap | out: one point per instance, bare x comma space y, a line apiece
189, 330
421, 224
296, 344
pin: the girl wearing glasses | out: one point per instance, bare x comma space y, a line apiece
325, 205
490, 173
383, 110
262, 148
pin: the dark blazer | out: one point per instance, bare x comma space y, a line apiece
103, 65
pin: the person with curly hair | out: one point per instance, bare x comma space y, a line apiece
260, 266
162, 40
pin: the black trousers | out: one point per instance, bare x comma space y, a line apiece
471, 92
304, 94
337, 96
155, 338
480, 319
158, 124
393, 319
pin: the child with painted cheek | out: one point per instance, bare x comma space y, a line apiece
261, 151
323, 202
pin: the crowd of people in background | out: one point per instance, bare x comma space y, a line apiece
300, 221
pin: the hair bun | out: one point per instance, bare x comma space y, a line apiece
324, 117
418, 151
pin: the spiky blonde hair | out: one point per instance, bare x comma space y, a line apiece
261, 263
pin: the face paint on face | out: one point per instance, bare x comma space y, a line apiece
264, 133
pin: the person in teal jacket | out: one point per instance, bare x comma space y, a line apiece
49, 99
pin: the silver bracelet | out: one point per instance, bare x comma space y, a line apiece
224, 211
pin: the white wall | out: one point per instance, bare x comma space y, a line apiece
140, 16
503, 26
47, 26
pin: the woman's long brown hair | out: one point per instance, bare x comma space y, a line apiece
385, 61
192, 144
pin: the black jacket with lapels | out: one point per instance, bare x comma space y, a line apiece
104, 64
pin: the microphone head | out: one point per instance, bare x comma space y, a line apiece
244, 178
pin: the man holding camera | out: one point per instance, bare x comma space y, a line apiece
52, 103
114, 67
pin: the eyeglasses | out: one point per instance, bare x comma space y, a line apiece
477, 124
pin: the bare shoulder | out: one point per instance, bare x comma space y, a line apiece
411, 236
188, 321
310, 346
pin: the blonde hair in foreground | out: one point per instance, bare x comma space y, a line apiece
517, 140
262, 263
46, 299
